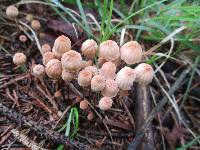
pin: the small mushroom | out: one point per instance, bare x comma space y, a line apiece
90, 116
125, 78
29, 17
84, 78
62, 44
109, 50
12, 11
89, 48
54, 69
38, 70
111, 89
47, 57
84, 104
35, 24
105, 103
23, 38
93, 69
108, 70
45, 48
144, 73
131, 52
98, 83
67, 76
71, 61
19, 59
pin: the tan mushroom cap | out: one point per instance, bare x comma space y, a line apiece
109, 50
19, 59
45, 48
108, 70
47, 57
35, 24
84, 104
54, 69
98, 83
38, 70
23, 38
105, 103
62, 44
144, 73
84, 78
125, 78
89, 48
93, 69
131, 52
111, 89
90, 116
12, 11
67, 76
71, 61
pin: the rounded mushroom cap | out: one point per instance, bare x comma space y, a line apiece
144, 73
105, 103
67, 76
93, 69
108, 70
29, 17
90, 115
47, 57
54, 68
12, 11
35, 24
19, 59
89, 48
84, 78
125, 78
56, 54
84, 104
38, 70
98, 83
131, 52
62, 44
45, 48
109, 50
23, 38
111, 89
71, 61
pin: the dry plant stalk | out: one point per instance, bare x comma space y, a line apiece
26, 140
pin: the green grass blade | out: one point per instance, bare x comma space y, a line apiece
105, 7
130, 16
80, 7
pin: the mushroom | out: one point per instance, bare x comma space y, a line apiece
45, 48
19, 59
93, 69
47, 57
89, 48
29, 17
67, 76
111, 89
108, 70
105, 103
23, 38
12, 11
109, 50
71, 61
98, 83
131, 52
38, 70
62, 44
90, 116
54, 68
56, 54
144, 73
84, 78
84, 104
125, 78
35, 24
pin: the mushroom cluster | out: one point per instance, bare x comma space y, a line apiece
108, 76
